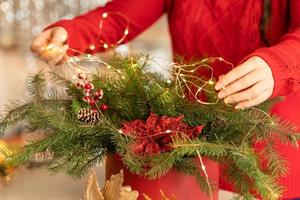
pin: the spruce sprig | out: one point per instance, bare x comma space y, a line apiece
133, 94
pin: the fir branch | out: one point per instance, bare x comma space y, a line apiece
36, 86
190, 148
16, 113
161, 165
276, 164
246, 164
286, 131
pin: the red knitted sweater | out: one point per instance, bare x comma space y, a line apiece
230, 29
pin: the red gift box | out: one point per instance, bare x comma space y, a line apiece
173, 184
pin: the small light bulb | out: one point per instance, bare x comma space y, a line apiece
92, 47
168, 131
211, 82
50, 47
105, 46
126, 32
44, 48
104, 15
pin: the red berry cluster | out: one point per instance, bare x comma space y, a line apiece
91, 96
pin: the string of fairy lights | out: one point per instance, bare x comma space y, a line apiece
185, 76
104, 43
187, 80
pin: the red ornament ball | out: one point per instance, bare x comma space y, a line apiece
92, 102
87, 99
88, 86
104, 107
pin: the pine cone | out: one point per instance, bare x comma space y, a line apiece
88, 116
218, 122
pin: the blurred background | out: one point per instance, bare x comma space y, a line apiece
20, 22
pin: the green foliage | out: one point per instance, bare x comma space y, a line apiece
36, 86
133, 93
274, 160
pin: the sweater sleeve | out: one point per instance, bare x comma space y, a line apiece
284, 61
284, 57
83, 30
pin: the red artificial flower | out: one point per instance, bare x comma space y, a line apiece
154, 135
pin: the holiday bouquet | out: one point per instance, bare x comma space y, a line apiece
152, 126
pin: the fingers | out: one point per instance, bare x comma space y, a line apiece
50, 45
40, 41
221, 76
234, 75
241, 84
247, 94
63, 60
257, 100
248, 85
53, 54
58, 37
60, 58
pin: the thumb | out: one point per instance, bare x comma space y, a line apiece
59, 37
219, 79
221, 76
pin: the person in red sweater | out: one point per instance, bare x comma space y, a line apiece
260, 37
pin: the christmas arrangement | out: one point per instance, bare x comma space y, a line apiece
153, 124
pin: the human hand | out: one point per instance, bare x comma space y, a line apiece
247, 85
50, 45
